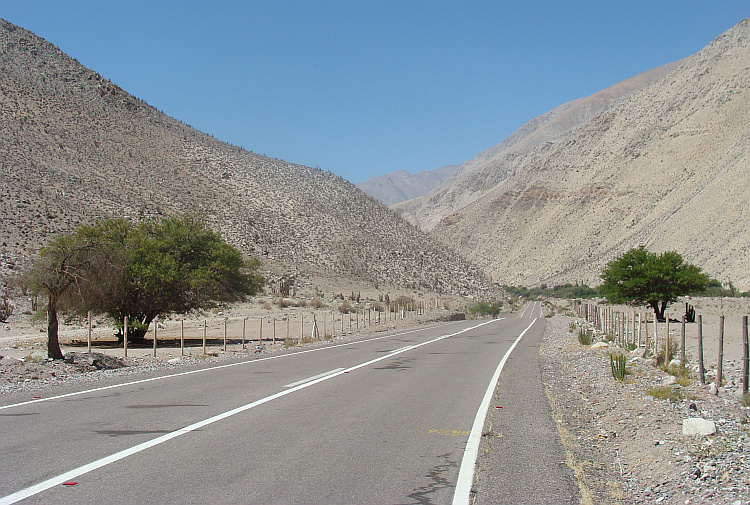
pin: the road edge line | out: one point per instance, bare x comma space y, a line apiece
462, 494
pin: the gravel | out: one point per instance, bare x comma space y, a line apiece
626, 446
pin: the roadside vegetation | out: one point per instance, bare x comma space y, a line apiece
138, 272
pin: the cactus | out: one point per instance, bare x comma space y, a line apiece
617, 362
689, 313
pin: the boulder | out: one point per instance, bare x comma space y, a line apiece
639, 352
698, 426
599, 345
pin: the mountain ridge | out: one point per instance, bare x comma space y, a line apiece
480, 174
75, 147
668, 168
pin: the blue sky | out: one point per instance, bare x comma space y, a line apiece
366, 88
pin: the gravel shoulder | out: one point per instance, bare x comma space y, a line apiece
626, 446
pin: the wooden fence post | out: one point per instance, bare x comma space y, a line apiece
182, 337
205, 329
720, 364
89, 339
682, 342
155, 326
745, 356
225, 334
701, 370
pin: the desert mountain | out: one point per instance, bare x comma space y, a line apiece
400, 186
474, 178
74, 147
667, 167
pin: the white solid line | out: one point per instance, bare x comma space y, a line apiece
309, 379
54, 481
466, 474
190, 372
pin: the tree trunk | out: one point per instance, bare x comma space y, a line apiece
659, 310
53, 343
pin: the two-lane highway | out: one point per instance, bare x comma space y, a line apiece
380, 420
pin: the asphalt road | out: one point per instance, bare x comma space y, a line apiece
383, 420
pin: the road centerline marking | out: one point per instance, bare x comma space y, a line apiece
309, 379
112, 458
218, 367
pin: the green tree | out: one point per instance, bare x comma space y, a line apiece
640, 277
177, 265
174, 265
66, 271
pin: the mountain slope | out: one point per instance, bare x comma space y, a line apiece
400, 186
476, 177
669, 168
74, 148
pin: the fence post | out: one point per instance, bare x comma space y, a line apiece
682, 344
125, 336
701, 370
182, 337
274, 331
260, 336
205, 328
156, 324
244, 324
720, 364
89, 339
666, 340
745, 356
225, 334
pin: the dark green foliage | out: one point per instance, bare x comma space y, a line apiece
569, 291
640, 277
486, 309
174, 265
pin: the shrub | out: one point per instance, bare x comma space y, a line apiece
681, 373
317, 303
745, 400
667, 393
585, 337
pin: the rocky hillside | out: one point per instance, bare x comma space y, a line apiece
668, 167
474, 178
74, 147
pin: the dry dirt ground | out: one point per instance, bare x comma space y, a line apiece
623, 444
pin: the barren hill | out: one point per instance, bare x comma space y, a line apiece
476, 177
668, 167
75, 147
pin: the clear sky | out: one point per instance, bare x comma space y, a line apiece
362, 88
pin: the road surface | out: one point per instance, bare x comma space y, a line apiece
390, 419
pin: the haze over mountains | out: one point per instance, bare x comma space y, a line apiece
74, 148
666, 166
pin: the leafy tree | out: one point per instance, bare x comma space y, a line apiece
66, 271
640, 277
172, 266
176, 265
